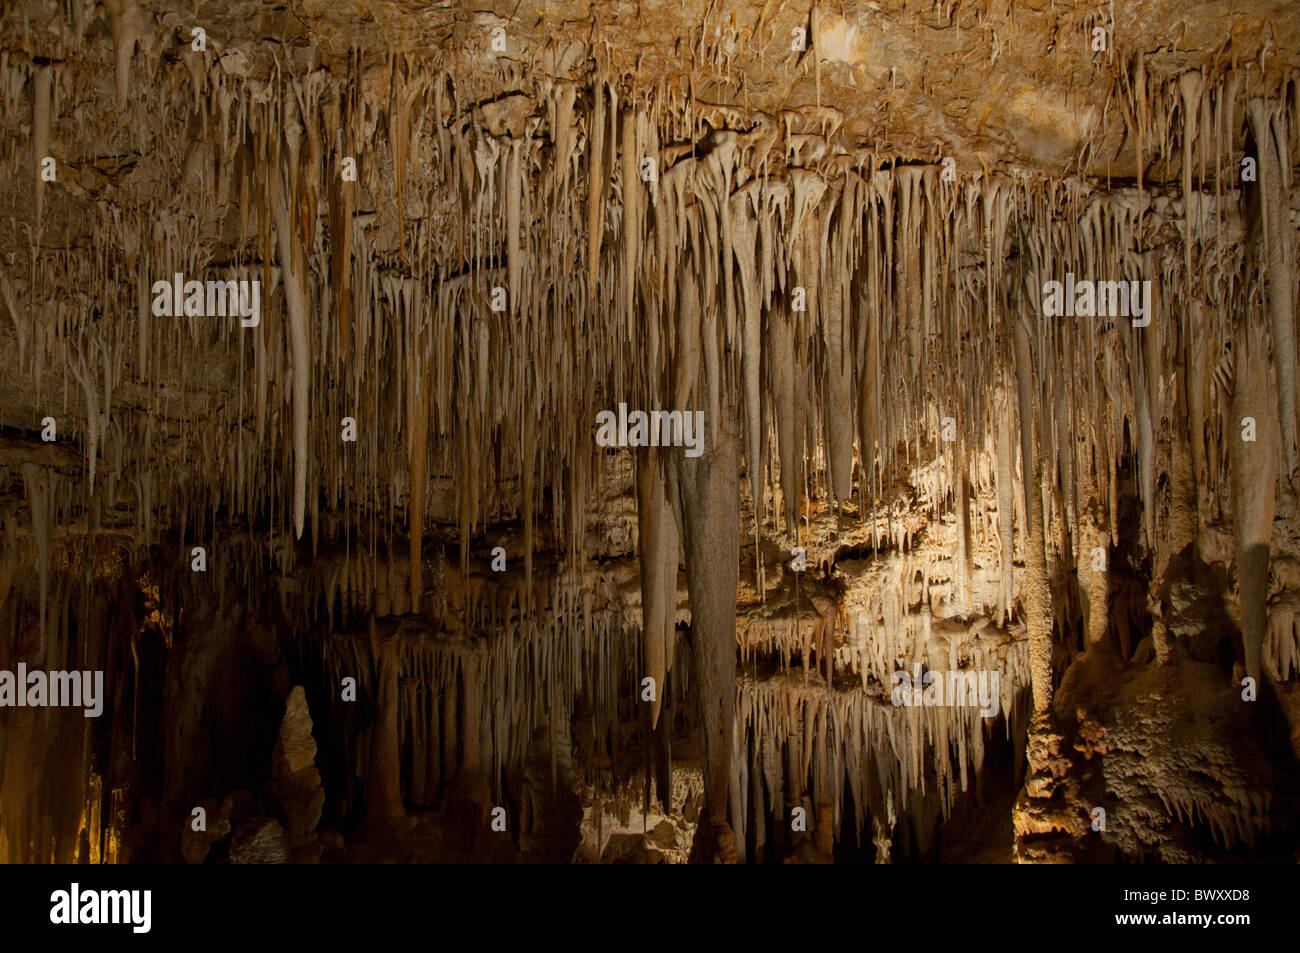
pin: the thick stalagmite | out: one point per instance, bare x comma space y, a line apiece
1034, 585
710, 493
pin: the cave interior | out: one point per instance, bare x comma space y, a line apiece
612, 432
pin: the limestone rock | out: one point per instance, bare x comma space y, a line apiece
295, 779
259, 841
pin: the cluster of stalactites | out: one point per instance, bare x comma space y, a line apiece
799, 745
472, 702
851, 305
709, 251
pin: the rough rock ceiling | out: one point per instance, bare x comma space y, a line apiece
558, 209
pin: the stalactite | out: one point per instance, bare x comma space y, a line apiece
596, 182
1006, 499
514, 203
785, 373
124, 21
631, 239
658, 590
744, 238
40, 132
294, 267
837, 338
417, 447
1190, 85
340, 194
1280, 265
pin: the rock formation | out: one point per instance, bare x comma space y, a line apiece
309, 321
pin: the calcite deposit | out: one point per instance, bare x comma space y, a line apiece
987, 310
